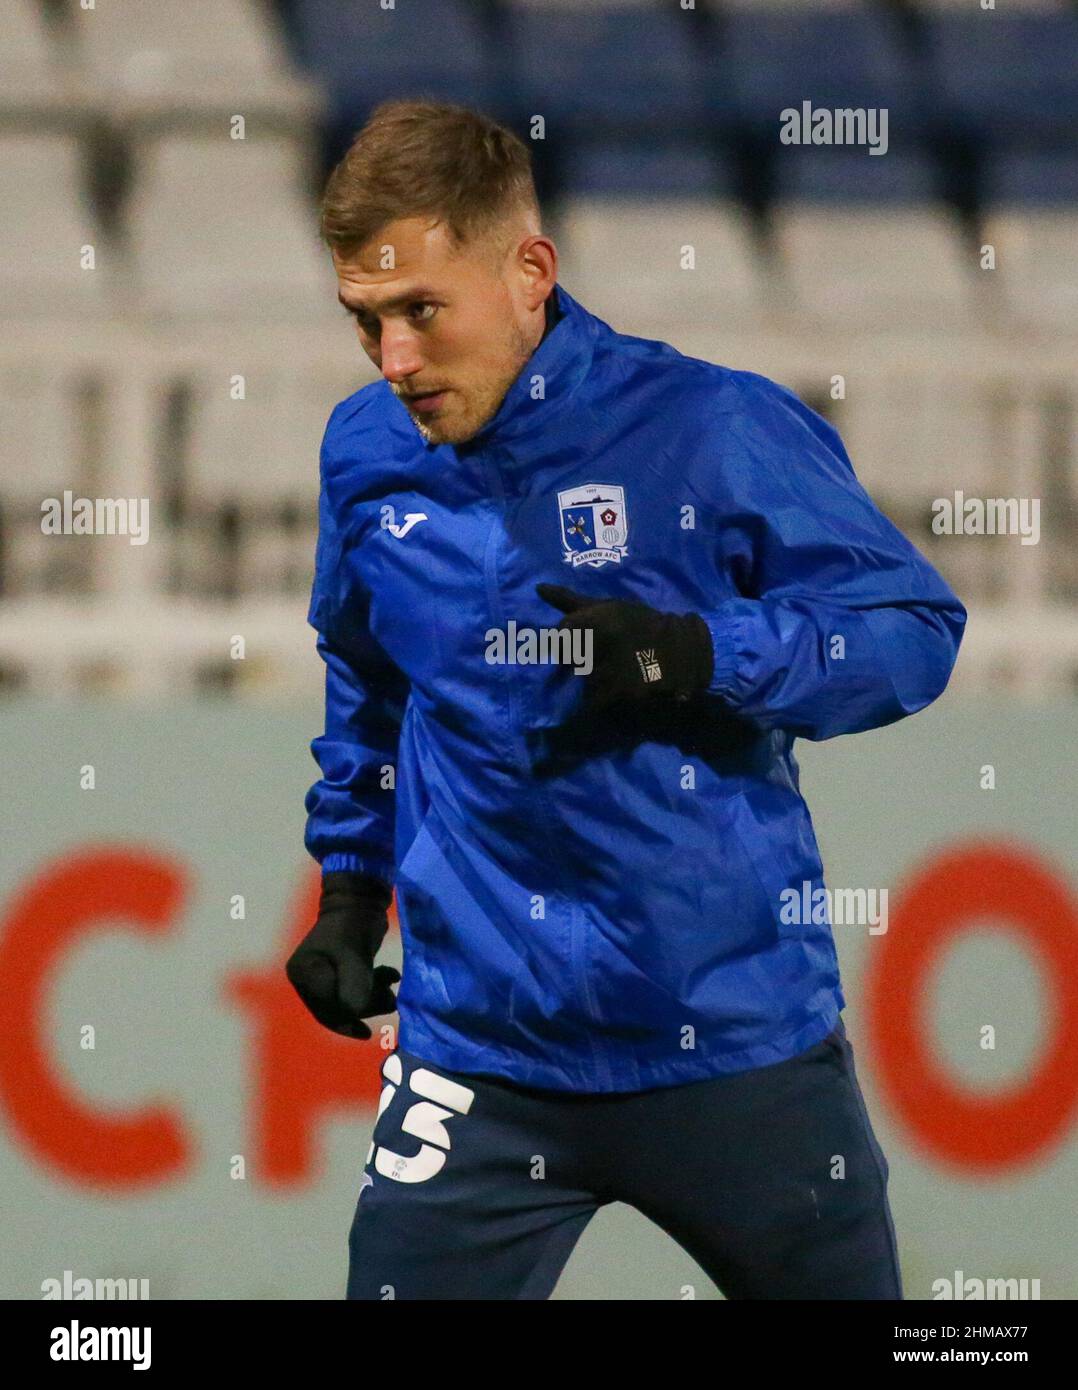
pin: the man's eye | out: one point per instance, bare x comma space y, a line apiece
420, 312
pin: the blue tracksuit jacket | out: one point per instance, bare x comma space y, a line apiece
601, 912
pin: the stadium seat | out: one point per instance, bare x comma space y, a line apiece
624, 261
790, 6
867, 269
606, 69
1030, 6
1031, 219
1008, 79
629, 209
889, 259
834, 58
584, 5
854, 177
1017, 179
1036, 256
28, 73
198, 47
221, 229
362, 54
46, 221
609, 169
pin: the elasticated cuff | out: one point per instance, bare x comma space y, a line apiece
725, 651
359, 864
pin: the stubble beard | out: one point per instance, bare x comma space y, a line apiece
481, 405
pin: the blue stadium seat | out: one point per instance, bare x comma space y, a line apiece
362, 54
823, 175
1032, 180
633, 169
607, 69
1010, 78
834, 59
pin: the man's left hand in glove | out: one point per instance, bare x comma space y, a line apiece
637, 652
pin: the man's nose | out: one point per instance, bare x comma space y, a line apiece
400, 356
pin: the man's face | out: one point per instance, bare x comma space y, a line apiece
443, 322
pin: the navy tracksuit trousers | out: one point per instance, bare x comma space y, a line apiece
771, 1179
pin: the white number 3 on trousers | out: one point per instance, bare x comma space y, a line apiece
423, 1120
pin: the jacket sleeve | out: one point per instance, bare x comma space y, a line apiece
842, 624
350, 809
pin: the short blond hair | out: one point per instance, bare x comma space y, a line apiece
425, 158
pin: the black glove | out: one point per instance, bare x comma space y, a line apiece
332, 969
637, 652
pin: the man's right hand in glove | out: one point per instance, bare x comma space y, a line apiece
332, 969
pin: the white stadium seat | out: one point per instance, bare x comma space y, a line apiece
145, 46
221, 229
876, 268
626, 260
1037, 267
26, 60
45, 224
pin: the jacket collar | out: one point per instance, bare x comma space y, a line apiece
562, 360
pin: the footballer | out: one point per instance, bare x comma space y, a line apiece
590, 831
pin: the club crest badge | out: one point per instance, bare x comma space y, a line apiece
594, 524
